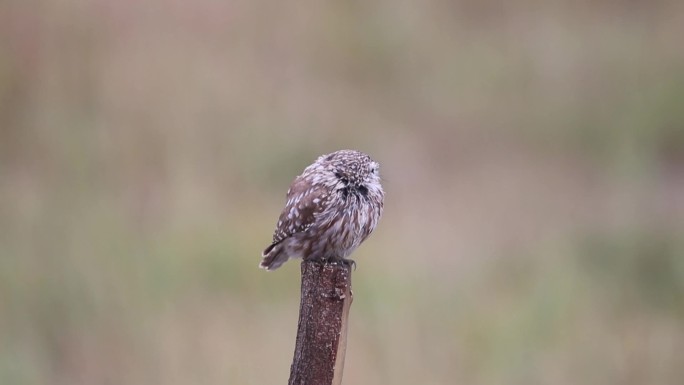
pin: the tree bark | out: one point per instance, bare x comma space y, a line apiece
322, 329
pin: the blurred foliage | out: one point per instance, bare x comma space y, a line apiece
533, 157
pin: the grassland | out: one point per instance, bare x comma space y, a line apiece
532, 154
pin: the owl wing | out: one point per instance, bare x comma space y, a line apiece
304, 202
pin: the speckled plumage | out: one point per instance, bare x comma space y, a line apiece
331, 208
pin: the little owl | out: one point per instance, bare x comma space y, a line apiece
331, 208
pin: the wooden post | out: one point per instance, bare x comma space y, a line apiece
322, 328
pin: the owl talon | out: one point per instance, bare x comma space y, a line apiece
349, 262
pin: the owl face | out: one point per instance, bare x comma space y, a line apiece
350, 169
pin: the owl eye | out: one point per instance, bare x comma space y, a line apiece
341, 178
363, 190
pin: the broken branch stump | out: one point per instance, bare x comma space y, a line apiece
322, 329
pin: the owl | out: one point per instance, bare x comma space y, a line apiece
331, 208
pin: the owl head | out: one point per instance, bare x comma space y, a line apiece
351, 170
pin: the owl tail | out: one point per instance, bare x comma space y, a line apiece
273, 257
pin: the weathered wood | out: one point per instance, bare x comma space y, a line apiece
322, 329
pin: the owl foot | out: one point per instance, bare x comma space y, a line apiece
348, 262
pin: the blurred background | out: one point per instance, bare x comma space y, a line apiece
532, 155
